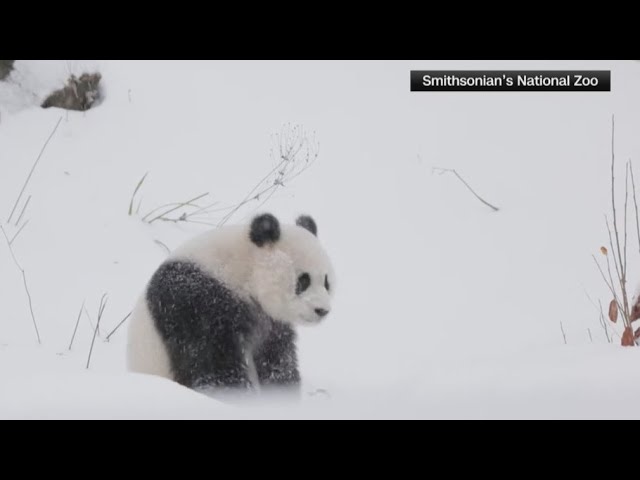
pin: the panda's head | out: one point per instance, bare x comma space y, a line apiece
292, 277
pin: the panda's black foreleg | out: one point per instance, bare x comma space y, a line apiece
202, 324
276, 360
219, 366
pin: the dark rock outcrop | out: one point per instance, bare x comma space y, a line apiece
78, 94
5, 68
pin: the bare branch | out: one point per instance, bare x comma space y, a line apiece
619, 261
163, 245
189, 202
133, 196
15, 205
166, 205
118, 326
607, 282
635, 203
86, 312
24, 209
24, 281
103, 304
18, 232
603, 322
622, 305
450, 170
626, 200
203, 210
291, 142
76, 327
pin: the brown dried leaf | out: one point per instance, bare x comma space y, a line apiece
603, 250
613, 311
637, 334
628, 339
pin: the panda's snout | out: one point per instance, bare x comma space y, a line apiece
321, 312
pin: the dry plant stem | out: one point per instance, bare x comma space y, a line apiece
291, 143
621, 260
76, 327
158, 242
24, 209
35, 164
103, 304
603, 322
26, 286
450, 170
135, 191
187, 203
635, 203
18, 232
118, 326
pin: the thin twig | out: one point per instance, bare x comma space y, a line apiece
166, 205
189, 202
626, 199
26, 287
32, 170
590, 337
76, 327
603, 322
200, 222
291, 141
622, 305
136, 191
118, 326
622, 272
613, 183
103, 304
635, 202
24, 209
451, 170
564, 336
610, 285
18, 232
202, 210
89, 318
162, 245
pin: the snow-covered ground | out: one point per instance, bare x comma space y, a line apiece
445, 309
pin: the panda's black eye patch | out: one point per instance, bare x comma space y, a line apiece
326, 282
304, 281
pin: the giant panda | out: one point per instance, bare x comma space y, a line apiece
219, 313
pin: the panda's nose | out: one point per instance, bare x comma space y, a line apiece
321, 312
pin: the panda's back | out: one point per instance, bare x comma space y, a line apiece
205, 277
223, 253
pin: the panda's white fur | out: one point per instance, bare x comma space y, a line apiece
265, 274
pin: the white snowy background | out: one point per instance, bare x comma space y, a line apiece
444, 308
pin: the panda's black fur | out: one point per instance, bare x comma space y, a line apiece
207, 329
202, 320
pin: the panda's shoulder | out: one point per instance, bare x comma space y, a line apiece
202, 246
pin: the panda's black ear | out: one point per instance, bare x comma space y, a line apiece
308, 223
265, 229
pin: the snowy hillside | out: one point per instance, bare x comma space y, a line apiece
444, 308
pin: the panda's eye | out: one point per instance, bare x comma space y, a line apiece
304, 280
326, 282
